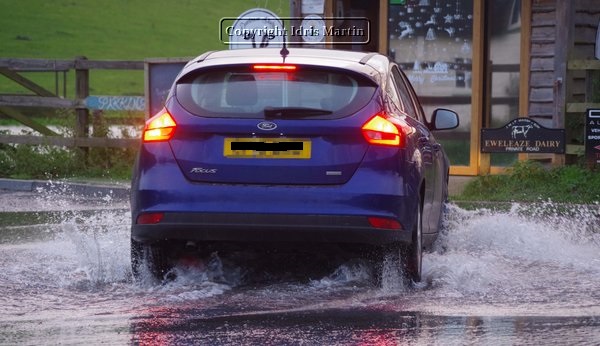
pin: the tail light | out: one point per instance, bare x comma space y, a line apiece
384, 223
160, 127
150, 218
381, 131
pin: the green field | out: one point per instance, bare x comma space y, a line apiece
113, 30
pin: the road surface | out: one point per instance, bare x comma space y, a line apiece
528, 275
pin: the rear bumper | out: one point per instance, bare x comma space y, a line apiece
242, 227
259, 213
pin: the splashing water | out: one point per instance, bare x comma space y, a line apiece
531, 259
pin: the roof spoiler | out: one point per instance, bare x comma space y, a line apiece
203, 57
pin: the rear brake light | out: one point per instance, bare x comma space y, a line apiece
161, 127
150, 218
381, 131
384, 223
277, 68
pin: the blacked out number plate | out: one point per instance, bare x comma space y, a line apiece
272, 148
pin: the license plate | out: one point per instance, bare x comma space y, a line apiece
269, 148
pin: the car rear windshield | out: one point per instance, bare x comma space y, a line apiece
252, 92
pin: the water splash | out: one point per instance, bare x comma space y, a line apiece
98, 246
537, 256
358, 272
392, 277
544, 257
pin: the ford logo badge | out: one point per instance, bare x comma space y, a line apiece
267, 125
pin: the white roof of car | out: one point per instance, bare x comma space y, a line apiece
374, 65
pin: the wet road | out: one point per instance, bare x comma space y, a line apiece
528, 275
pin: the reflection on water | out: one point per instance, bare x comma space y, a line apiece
367, 327
529, 274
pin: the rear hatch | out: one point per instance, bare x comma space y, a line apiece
271, 124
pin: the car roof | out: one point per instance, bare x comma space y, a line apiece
372, 65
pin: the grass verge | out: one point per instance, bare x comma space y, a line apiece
113, 30
530, 181
21, 161
47, 162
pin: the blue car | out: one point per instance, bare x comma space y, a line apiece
278, 148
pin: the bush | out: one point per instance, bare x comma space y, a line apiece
22, 161
25, 161
48, 162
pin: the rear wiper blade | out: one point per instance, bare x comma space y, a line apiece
294, 112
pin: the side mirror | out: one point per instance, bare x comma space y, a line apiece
444, 119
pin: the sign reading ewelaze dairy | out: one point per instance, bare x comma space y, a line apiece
523, 135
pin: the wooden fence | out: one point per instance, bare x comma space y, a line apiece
83, 102
11, 105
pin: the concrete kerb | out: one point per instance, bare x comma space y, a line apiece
457, 184
66, 188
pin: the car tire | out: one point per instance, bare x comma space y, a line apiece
412, 254
149, 259
404, 259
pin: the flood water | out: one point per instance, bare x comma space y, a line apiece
526, 275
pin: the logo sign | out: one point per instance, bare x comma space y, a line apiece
267, 126
116, 103
313, 29
523, 135
255, 28
592, 137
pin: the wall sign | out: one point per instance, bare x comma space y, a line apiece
523, 135
159, 77
592, 137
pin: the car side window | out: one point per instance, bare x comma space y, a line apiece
413, 94
404, 94
394, 100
